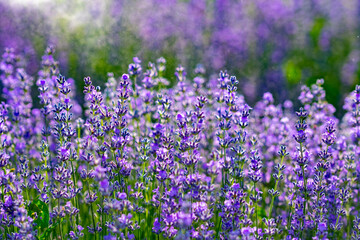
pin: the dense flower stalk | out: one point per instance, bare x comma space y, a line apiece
193, 161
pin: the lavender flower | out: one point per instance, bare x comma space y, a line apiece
149, 161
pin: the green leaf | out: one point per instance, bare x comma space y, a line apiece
261, 212
46, 234
40, 209
316, 30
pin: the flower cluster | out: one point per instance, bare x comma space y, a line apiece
145, 161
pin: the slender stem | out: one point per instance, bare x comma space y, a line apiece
225, 174
318, 198
275, 188
105, 230
76, 199
61, 235
256, 212
242, 178
338, 217
160, 200
2, 193
305, 185
92, 211
289, 216
191, 198
102, 218
348, 221
219, 226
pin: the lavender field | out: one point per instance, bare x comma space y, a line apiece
101, 144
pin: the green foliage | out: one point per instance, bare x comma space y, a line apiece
292, 72
315, 31
40, 210
305, 66
48, 231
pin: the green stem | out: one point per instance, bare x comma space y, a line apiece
318, 198
337, 219
225, 174
76, 199
160, 200
289, 217
102, 219
61, 235
92, 211
139, 233
305, 182
348, 220
275, 188
256, 212
191, 198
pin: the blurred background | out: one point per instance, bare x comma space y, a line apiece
274, 46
